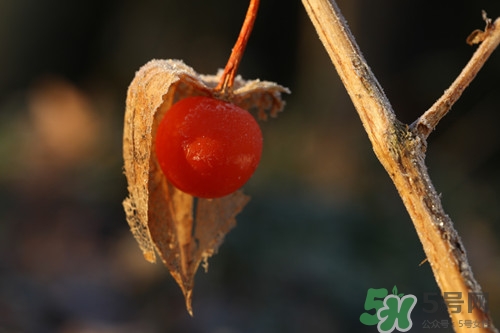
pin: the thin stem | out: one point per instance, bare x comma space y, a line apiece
426, 123
227, 79
402, 153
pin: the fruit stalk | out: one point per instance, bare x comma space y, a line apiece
227, 78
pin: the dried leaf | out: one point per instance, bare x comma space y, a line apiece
161, 216
478, 36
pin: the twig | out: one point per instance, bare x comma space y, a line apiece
225, 85
402, 152
490, 40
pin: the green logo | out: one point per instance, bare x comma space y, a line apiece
391, 311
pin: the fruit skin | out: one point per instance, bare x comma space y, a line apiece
207, 147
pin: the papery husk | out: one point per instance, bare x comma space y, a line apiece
161, 216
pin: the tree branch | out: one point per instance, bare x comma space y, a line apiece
490, 39
401, 150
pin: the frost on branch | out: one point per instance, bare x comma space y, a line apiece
161, 216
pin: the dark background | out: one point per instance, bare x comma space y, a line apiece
325, 223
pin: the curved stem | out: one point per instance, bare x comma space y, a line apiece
227, 79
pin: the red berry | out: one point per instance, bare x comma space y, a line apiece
207, 147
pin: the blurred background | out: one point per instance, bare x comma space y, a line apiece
325, 223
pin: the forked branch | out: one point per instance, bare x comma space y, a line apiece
401, 150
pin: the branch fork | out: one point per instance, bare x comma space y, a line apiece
401, 148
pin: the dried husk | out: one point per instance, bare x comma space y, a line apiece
161, 216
